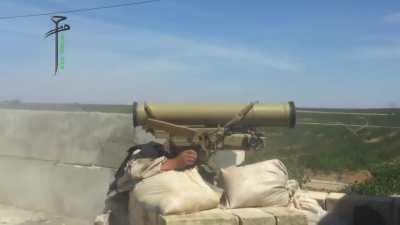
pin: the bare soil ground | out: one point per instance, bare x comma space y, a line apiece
334, 181
10, 215
348, 177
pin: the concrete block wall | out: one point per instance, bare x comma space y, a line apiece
243, 216
341, 211
60, 161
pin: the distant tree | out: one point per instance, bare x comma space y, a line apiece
15, 101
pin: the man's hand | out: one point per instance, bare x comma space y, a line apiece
183, 160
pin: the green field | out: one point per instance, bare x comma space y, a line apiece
335, 148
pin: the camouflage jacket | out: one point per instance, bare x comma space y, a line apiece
143, 161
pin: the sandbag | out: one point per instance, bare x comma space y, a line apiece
176, 192
256, 185
300, 200
309, 207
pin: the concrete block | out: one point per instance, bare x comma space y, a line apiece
319, 196
88, 138
63, 189
356, 206
253, 216
227, 158
208, 217
285, 216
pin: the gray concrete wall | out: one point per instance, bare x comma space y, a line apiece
60, 161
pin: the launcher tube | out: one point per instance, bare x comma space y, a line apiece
213, 115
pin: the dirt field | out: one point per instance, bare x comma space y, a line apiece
10, 215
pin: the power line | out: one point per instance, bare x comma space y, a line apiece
347, 125
343, 113
80, 9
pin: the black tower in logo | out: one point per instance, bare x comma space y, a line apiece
55, 31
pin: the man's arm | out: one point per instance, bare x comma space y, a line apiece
150, 163
147, 167
184, 159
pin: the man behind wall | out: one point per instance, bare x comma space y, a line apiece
143, 161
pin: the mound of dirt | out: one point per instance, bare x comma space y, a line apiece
348, 177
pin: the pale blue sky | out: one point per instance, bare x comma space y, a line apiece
317, 53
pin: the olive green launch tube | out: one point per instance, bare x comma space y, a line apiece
213, 115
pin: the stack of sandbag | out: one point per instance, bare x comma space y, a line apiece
256, 185
266, 184
175, 192
263, 184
